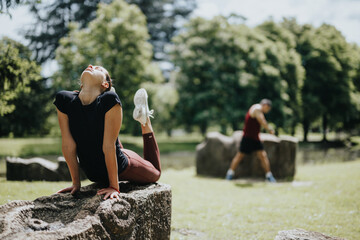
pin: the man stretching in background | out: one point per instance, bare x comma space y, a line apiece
250, 142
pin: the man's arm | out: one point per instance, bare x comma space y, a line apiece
259, 115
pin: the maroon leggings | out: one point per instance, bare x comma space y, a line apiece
143, 170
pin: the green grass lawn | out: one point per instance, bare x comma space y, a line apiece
324, 198
29, 147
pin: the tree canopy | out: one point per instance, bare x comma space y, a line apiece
23, 92
225, 68
53, 18
116, 39
16, 72
328, 92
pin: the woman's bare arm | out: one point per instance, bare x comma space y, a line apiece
113, 119
69, 152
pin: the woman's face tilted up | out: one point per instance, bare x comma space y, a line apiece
95, 76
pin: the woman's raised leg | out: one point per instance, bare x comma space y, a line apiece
147, 169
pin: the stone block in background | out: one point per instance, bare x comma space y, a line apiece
214, 155
38, 169
144, 212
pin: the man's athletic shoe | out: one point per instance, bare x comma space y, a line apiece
141, 111
270, 179
229, 175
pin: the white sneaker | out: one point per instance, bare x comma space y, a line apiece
141, 111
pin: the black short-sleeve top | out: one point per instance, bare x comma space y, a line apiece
86, 123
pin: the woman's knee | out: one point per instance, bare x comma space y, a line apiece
156, 176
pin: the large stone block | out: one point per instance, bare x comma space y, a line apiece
214, 155
144, 212
38, 169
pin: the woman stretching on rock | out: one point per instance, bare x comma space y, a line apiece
90, 121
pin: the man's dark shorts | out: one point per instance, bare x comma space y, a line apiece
249, 145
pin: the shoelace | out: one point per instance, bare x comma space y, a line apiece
150, 113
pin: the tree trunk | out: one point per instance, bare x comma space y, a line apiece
223, 129
324, 123
306, 126
203, 128
169, 132
292, 130
235, 125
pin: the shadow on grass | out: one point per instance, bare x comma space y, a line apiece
248, 182
244, 185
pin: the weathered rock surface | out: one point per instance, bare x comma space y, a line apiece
214, 155
300, 234
38, 169
144, 212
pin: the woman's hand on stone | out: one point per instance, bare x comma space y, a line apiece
73, 189
109, 192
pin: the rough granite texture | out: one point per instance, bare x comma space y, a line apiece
38, 169
214, 155
301, 234
144, 212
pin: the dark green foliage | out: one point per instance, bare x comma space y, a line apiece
117, 40
23, 96
164, 18
309, 74
288, 62
328, 92
53, 19
52, 23
31, 112
225, 68
16, 72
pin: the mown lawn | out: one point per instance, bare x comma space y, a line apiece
324, 198
29, 147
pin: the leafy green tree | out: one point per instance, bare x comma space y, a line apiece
356, 72
16, 72
290, 67
199, 51
164, 18
32, 109
116, 39
163, 99
223, 69
327, 58
23, 92
53, 20
351, 120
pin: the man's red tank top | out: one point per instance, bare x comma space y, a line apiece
251, 127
